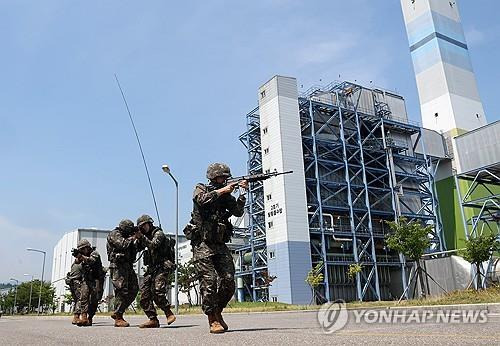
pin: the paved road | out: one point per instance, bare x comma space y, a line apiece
246, 329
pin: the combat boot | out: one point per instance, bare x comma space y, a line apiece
215, 327
218, 315
119, 321
76, 317
151, 323
170, 316
83, 321
113, 315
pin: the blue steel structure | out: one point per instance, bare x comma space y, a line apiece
255, 273
361, 170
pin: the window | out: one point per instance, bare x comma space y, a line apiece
269, 197
262, 94
270, 224
271, 255
266, 151
264, 131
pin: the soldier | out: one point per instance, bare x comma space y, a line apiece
159, 258
122, 250
209, 231
99, 287
74, 281
91, 271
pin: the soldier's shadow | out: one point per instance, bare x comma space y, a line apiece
105, 324
181, 326
259, 329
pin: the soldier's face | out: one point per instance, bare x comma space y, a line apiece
86, 251
145, 228
220, 180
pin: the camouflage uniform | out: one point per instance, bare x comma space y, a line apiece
122, 251
211, 229
74, 281
159, 259
92, 272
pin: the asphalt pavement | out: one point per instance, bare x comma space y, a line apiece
276, 328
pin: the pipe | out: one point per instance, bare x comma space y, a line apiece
332, 227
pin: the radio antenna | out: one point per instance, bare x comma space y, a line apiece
140, 148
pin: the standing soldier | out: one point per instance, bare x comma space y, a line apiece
122, 250
91, 271
159, 258
74, 281
209, 231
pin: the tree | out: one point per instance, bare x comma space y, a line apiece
354, 269
68, 299
412, 240
314, 279
187, 280
23, 296
478, 250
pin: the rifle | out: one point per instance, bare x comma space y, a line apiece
256, 177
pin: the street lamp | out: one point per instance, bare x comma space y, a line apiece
166, 169
15, 295
41, 280
31, 291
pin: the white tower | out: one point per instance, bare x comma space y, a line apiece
287, 227
449, 99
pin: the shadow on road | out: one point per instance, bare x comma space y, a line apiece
104, 324
259, 329
181, 326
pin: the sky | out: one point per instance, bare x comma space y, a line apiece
190, 71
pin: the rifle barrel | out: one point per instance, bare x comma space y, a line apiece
257, 177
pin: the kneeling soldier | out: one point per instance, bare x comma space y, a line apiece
159, 258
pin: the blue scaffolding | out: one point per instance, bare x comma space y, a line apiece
361, 169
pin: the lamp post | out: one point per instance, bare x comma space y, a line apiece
15, 295
41, 280
166, 169
31, 291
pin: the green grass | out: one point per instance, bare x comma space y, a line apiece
250, 307
490, 295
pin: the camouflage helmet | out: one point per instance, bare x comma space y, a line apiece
217, 169
82, 244
126, 225
144, 219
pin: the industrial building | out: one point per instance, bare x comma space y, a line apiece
359, 161
451, 105
356, 162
